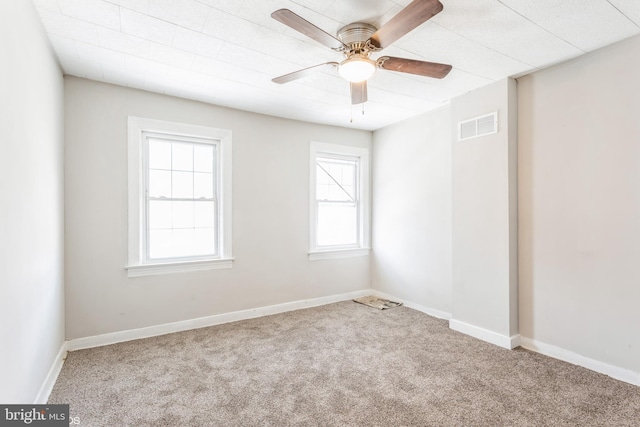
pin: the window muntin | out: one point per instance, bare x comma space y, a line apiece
181, 204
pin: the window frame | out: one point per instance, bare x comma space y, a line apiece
138, 262
340, 152
145, 230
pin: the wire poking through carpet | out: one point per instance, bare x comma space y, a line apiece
375, 302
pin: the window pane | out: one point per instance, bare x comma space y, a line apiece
159, 183
182, 185
203, 185
335, 171
179, 170
322, 178
203, 241
159, 154
160, 243
181, 243
337, 192
322, 191
337, 224
183, 214
349, 175
335, 179
204, 214
322, 183
203, 158
160, 214
182, 156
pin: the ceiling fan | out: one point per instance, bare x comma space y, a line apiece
357, 41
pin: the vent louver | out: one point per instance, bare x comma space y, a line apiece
478, 126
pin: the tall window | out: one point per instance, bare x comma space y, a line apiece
179, 197
339, 200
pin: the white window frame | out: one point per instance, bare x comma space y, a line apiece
138, 265
346, 151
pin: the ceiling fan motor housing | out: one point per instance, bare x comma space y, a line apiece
356, 35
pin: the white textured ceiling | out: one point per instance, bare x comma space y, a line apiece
226, 52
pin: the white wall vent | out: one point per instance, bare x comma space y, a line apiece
478, 126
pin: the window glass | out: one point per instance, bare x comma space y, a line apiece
181, 201
337, 224
337, 208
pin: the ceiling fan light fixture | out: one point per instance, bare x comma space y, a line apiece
357, 68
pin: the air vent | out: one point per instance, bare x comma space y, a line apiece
478, 126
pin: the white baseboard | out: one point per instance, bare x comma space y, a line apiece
202, 322
474, 331
427, 310
52, 376
504, 341
616, 372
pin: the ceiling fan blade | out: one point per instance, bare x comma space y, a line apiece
305, 27
416, 13
359, 92
305, 72
412, 66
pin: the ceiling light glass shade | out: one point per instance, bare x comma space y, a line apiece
357, 68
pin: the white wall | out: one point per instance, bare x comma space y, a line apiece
31, 204
412, 210
484, 217
270, 215
579, 191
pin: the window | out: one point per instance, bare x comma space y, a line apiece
339, 202
179, 197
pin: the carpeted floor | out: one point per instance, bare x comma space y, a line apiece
342, 364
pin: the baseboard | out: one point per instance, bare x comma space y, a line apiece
559, 353
52, 376
508, 342
203, 322
427, 310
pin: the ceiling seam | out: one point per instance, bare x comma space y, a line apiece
541, 27
148, 58
487, 47
143, 14
458, 68
170, 23
119, 20
84, 21
623, 14
474, 41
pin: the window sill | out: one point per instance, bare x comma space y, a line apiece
338, 253
177, 267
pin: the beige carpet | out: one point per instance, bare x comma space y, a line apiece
343, 364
